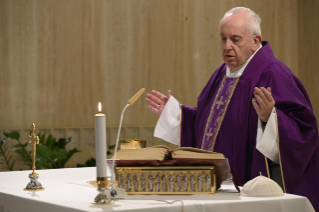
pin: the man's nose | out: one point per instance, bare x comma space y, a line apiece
228, 44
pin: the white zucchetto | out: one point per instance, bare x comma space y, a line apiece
261, 187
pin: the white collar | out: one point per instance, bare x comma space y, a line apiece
240, 71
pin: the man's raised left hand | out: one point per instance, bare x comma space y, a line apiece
263, 102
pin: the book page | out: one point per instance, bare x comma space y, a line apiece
190, 152
160, 146
192, 149
142, 154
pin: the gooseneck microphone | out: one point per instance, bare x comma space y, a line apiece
130, 102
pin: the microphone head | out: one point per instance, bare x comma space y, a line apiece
135, 97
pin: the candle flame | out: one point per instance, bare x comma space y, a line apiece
100, 107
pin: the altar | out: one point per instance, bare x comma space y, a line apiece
67, 190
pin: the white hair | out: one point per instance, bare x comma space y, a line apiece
254, 19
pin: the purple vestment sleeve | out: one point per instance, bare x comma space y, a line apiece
188, 117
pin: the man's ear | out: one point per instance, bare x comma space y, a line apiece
257, 40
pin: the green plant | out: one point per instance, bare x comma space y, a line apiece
5, 154
89, 163
51, 154
20, 148
109, 149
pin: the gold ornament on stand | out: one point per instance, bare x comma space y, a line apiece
34, 184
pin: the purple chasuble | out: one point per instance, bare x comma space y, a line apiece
229, 126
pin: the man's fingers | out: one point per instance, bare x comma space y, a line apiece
167, 97
261, 103
168, 94
157, 101
158, 94
261, 95
256, 106
154, 99
267, 94
151, 102
153, 109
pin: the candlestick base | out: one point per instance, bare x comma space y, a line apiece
34, 184
102, 198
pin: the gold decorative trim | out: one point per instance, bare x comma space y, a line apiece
39, 189
282, 173
103, 184
219, 120
106, 203
167, 180
232, 88
267, 167
211, 113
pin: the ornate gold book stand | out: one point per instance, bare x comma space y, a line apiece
167, 179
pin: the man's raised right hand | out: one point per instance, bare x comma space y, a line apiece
157, 101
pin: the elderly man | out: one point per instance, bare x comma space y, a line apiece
253, 109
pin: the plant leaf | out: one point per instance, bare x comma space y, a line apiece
63, 142
21, 145
89, 163
42, 162
9, 158
69, 155
50, 142
2, 141
41, 138
13, 135
59, 153
111, 147
43, 151
11, 167
23, 154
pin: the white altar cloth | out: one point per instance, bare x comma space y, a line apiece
67, 190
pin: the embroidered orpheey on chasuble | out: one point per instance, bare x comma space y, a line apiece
217, 112
225, 121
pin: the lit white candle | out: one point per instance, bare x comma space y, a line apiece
100, 143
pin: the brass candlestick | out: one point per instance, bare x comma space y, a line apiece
104, 197
34, 184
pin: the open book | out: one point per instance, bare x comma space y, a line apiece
161, 153
183, 156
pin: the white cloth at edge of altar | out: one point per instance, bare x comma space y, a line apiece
261, 187
168, 124
64, 197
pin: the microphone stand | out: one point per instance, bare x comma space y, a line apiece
120, 193
117, 142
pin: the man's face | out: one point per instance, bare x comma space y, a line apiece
237, 42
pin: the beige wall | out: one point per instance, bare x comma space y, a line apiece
308, 31
59, 58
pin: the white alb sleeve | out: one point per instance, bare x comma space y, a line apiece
167, 127
266, 141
